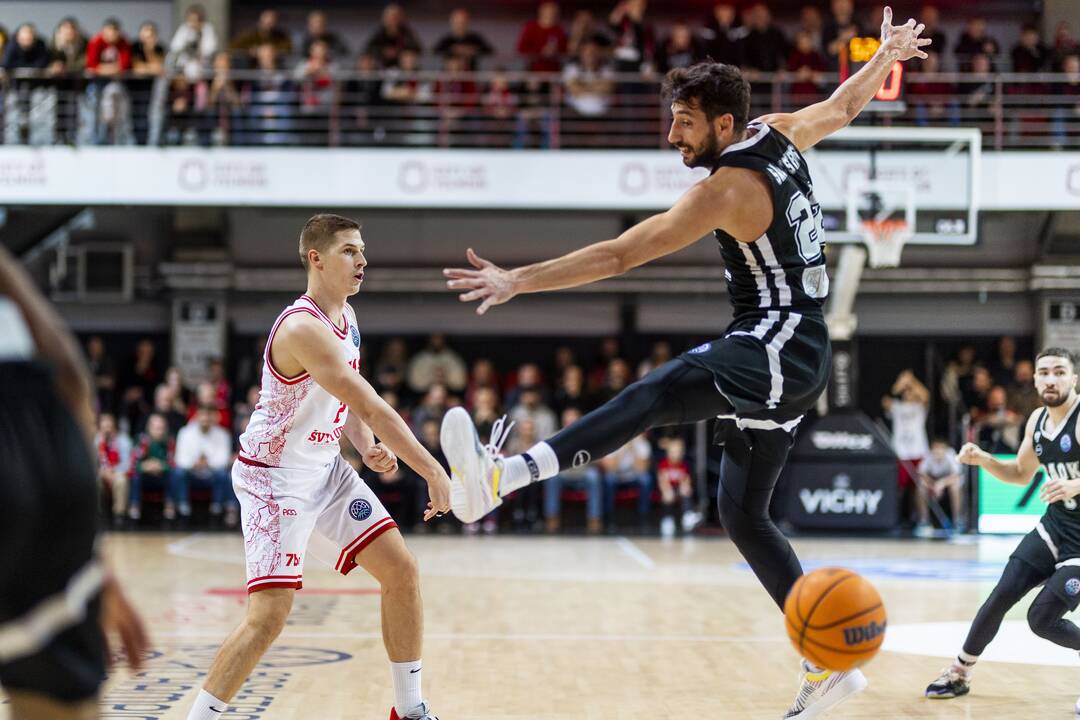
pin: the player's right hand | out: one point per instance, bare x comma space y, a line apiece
488, 282
120, 617
439, 492
970, 454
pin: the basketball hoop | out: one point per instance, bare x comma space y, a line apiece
885, 240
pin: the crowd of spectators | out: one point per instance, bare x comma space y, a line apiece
110, 87
165, 442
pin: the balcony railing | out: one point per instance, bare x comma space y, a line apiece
481, 110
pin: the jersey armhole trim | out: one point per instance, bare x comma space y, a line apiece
270, 341
340, 332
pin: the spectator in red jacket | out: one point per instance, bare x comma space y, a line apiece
108, 53
542, 41
807, 63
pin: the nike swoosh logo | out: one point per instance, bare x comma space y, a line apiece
214, 709
413, 672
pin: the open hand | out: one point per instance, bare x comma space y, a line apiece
380, 458
902, 39
119, 617
488, 282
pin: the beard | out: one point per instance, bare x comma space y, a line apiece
1055, 400
705, 155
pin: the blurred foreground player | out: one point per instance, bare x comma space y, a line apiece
772, 363
57, 593
1048, 554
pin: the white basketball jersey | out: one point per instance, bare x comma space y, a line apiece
298, 424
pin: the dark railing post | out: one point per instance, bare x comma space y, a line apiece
999, 109
555, 122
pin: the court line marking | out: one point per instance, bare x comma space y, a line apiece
634, 552
508, 637
178, 547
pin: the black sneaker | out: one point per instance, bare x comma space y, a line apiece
951, 683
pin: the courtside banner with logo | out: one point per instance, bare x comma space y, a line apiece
1005, 508
631, 180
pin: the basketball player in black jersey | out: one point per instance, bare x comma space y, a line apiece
771, 364
1048, 554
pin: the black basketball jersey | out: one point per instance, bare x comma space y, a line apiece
785, 267
1059, 453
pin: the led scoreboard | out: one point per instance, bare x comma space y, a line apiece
890, 97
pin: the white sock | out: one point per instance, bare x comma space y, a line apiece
966, 662
207, 707
517, 472
407, 693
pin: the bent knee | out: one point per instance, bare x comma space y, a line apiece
268, 610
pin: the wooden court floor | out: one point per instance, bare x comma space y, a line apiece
584, 629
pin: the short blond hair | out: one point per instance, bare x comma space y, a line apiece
320, 232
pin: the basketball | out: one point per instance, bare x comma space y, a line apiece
835, 618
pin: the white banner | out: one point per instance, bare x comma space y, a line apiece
572, 180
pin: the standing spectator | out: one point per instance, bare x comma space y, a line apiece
67, 64
148, 64
807, 64
582, 28
462, 41
1022, 397
932, 100
1004, 366
317, 30
680, 49
315, 76
585, 477
224, 104
542, 41
634, 40
531, 407
840, 27
271, 103
102, 372
931, 18
997, 428
207, 394
590, 84
458, 96
973, 41
811, 23
193, 45
267, 30
628, 465
163, 406
114, 463
1069, 109
215, 375
956, 380
108, 56
764, 48
1064, 45
181, 395
723, 38
1030, 54
393, 37
437, 362
978, 97
500, 104
203, 453
977, 398
151, 465
27, 106
139, 380
940, 472
674, 481
907, 407
362, 94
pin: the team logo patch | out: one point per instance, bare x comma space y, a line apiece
1038, 449
1072, 586
701, 349
360, 509
355, 337
1066, 443
582, 457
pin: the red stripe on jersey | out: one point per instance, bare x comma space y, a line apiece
346, 561
269, 363
340, 332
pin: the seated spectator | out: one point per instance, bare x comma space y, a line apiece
1022, 397
997, 428
114, 463
634, 44
457, 96
151, 468
224, 103
428, 435
674, 481
974, 41
140, 378
410, 93
571, 392
940, 472
680, 49
462, 41
812, 23
1064, 45
1067, 115
528, 377
590, 82
360, 97
482, 376
102, 372
207, 394
765, 48
28, 54
393, 38
244, 408
531, 407
978, 96
932, 100
808, 65
315, 76
723, 36
67, 63
658, 355
215, 375
181, 395
976, 398
499, 100
583, 477
271, 95
203, 454
432, 407
148, 66
193, 44
629, 465
437, 362
839, 28
615, 380
166, 408
317, 30
524, 505
585, 27
1003, 366
267, 30
931, 18
543, 41
906, 406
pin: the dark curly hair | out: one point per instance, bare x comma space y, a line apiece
714, 88
1058, 352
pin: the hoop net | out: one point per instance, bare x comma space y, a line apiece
885, 240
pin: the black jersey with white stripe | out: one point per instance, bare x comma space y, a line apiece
784, 268
1058, 449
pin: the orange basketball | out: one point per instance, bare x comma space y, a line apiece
835, 618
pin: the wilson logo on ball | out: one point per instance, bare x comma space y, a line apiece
862, 633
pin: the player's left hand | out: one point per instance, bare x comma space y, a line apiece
1058, 490
439, 491
119, 616
903, 39
380, 458
488, 282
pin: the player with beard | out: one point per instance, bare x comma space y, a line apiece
1048, 554
771, 364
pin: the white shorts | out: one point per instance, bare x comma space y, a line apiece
287, 511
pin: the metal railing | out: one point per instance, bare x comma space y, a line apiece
480, 110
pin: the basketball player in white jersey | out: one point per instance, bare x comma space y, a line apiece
298, 494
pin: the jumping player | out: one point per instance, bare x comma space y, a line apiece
297, 493
1051, 552
772, 363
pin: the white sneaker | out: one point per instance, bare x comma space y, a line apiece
475, 469
823, 690
690, 520
1076, 709
667, 527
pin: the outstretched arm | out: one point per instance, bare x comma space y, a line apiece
812, 124
695, 214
